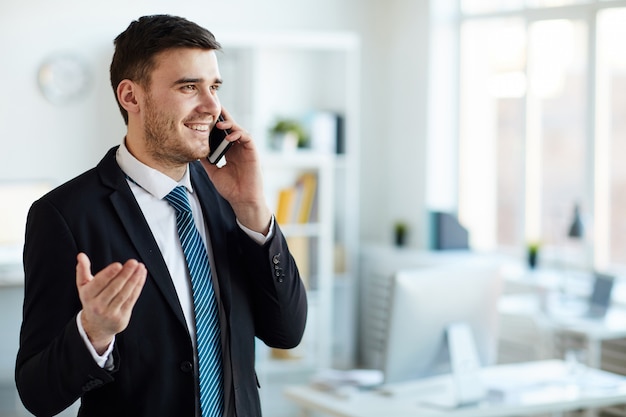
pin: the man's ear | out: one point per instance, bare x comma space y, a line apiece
127, 92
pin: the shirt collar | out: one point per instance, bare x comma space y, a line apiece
150, 179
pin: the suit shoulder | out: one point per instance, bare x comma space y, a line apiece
72, 188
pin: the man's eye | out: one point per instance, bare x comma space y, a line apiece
189, 87
215, 87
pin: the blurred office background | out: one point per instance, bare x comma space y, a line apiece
506, 118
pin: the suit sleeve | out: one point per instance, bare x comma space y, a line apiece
53, 367
280, 302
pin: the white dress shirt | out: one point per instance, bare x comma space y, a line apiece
149, 187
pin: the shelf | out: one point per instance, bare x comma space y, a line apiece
302, 159
292, 75
304, 230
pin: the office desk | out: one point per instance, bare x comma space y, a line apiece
515, 390
565, 316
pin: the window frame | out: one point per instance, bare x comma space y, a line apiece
596, 193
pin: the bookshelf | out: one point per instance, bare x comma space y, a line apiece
310, 241
272, 76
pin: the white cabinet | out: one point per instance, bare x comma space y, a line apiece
272, 76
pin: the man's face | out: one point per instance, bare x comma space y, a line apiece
181, 105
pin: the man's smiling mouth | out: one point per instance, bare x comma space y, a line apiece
198, 127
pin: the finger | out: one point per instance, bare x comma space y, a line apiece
101, 280
113, 278
135, 290
229, 123
128, 294
240, 136
83, 270
225, 122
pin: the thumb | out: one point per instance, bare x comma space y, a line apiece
83, 269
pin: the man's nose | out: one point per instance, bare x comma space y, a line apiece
210, 103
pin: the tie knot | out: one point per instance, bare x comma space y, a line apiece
178, 199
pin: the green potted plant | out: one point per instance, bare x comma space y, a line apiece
400, 231
288, 134
533, 254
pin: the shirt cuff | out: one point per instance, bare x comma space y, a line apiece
259, 238
105, 360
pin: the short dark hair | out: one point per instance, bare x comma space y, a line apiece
136, 47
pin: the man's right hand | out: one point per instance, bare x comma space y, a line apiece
108, 298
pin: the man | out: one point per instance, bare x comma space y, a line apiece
127, 338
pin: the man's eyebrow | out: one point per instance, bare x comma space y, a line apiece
195, 81
188, 81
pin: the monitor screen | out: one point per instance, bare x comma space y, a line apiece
600, 298
425, 301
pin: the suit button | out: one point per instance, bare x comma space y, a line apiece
276, 259
186, 366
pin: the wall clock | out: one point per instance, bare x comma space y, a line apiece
63, 78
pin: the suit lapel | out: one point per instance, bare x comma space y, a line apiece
138, 231
214, 219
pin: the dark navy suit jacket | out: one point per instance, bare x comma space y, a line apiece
96, 213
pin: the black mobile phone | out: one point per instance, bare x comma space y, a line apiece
218, 145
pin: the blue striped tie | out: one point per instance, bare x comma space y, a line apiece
205, 306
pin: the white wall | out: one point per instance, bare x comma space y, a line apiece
402, 141
40, 140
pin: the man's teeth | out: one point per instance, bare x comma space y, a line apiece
201, 128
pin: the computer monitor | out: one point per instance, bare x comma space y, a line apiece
600, 298
424, 302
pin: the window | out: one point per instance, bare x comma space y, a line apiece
492, 88
611, 136
541, 126
556, 121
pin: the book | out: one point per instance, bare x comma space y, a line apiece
307, 190
327, 132
300, 249
285, 206
296, 203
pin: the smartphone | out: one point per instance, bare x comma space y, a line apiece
218, 145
